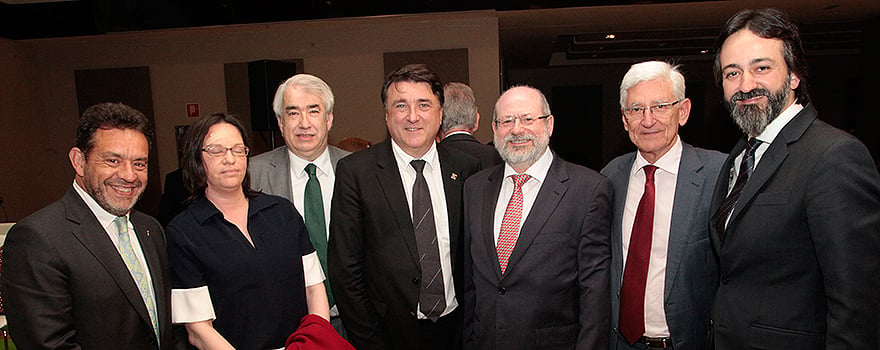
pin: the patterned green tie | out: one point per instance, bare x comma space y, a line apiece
137, 270
314, 210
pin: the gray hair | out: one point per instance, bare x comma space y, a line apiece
308, 83
460, 107
650, 70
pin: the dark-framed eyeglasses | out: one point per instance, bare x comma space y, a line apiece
524, 120
216, 150
658, 110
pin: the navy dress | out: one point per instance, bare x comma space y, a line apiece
257, 292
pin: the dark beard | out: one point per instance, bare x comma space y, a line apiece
752, 119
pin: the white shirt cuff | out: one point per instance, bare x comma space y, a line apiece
314, 274
191, 305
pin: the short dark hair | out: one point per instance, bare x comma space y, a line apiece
769, 24
414, 73
194, 178
107, 116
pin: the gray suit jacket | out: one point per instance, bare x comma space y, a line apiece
65, 286
554, 293
270, 171
800, 257
691, 271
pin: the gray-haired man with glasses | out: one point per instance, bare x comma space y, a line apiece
663, 274
537, 245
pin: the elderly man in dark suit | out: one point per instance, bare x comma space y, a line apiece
303, 171
796, 223
460, 120
395, 228
88, 272
663, 273
537, 240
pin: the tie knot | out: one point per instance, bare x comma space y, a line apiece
520, 179
649, 172
418, 165
310, 169
121, 224
752, 145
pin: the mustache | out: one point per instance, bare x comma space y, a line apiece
518, 138
123, 182
739, 96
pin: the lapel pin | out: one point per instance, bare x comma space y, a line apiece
454, 176
148, 233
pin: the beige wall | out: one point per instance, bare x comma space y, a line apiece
38, 108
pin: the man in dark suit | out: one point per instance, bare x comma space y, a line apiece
537, 240
796, 223
671, 274
395, 228
303, 105
87, 271
460, 120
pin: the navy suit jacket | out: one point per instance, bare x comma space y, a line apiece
554, 293
691, 270
468, 144
800, 257
372, 254
65, 286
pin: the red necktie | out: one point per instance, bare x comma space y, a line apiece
635, 275
510, 224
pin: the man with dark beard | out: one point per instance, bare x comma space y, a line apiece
796, 227
537, 240
88, 272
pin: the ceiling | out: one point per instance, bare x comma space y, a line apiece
533, 33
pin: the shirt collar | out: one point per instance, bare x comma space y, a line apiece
403, 158
773, 129
322, 163
203, 209
538, 170
104, 217
668, 162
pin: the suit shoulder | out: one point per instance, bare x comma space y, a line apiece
713, 159
263, 159
617, 162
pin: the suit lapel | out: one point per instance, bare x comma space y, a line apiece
619, 177
491, 191
688, 187
149, 249
280, 179
452, 185
772, 160
549, 195
388, 177
721, 188
90, 233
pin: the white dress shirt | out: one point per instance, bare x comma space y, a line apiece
434, 177
538, 173
665, 178
326, 177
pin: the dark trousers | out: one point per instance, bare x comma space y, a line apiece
445, 334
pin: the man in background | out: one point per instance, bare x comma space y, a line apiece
460, 120
663, 273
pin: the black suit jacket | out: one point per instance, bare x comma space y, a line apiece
65, 286
372, 254
801, 253
469, 145
554, 293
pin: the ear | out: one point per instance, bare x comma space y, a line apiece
623, 119
280, 124
794, 80
329, 121
684, 111
78, 161
476, 123
550, 125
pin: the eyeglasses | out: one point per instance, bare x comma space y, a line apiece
216, 150
658, 110
525, 120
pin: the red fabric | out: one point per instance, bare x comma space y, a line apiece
316, 333
635, 273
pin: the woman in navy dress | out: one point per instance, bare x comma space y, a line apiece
243, 269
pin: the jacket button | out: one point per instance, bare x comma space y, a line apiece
502, 290
725, 280
415, 280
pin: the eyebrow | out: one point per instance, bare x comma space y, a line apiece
752, 62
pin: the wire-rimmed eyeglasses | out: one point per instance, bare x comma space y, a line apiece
658, 110
524, 120
216, 150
